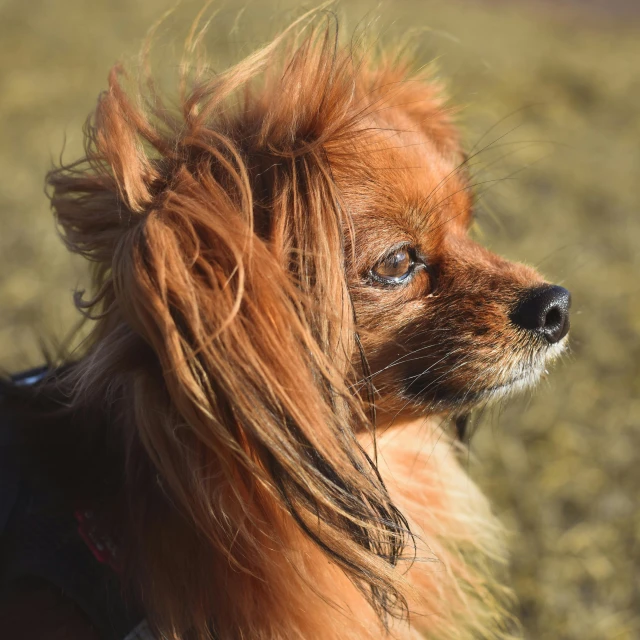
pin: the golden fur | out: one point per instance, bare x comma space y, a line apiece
242, 346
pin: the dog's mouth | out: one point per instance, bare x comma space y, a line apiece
523, 376
512, 378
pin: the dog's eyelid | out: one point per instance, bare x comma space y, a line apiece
411, 248
406, 245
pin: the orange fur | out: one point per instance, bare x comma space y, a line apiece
243, 342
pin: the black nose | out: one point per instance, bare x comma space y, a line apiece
545, 311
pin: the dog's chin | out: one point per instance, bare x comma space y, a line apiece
511, 387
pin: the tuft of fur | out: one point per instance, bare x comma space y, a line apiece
225, 358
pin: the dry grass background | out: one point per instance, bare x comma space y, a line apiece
553, 94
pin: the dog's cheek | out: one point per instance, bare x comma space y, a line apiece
382, 317
454, 348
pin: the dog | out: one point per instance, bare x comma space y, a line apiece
287, 315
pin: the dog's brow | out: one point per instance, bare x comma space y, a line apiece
425, 211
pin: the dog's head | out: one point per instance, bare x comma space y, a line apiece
294, 239
446, 325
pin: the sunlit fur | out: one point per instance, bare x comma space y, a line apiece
240, 351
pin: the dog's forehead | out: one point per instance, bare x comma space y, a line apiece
407, 181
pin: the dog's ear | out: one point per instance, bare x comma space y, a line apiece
228, 349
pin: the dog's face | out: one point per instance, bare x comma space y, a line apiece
446, 325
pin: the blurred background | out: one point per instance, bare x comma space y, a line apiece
550, 97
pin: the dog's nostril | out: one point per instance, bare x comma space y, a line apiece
554, 316
545, 311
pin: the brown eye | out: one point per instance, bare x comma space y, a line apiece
395, 267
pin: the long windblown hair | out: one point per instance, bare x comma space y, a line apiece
225, 367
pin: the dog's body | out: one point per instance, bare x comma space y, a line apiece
279, 271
